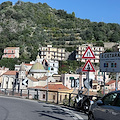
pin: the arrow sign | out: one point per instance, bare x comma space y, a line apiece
88, 67
25, 82
88, 54
86, 84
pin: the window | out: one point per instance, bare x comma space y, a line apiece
109, 99
65, 96
43, 96
53, 97
52, 68
95, 87
60, 98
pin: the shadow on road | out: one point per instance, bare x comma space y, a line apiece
54, 113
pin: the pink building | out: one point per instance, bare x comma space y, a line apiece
11, 52
110, 86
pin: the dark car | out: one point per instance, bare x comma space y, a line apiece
107, 108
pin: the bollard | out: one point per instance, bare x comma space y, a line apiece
37, 94
57, 97
46, 96
21, 92
28, 94
69, 98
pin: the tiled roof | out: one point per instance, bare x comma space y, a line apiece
11, 47
110, 82
33, 79
27, 64
10, 73
43, 78
56, 87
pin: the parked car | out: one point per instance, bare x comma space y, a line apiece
107, 108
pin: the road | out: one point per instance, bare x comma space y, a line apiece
23, 109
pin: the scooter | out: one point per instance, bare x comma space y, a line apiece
83, 102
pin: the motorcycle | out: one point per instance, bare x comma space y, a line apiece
83, 102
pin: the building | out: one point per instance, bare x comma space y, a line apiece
96, 51
69, 80
27, 66
2, 71
51, 53
11, 52
8, 79
99, 76
110, 86
56, 91
52, 65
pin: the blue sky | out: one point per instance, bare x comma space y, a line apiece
107, 11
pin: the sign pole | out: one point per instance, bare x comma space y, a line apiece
116, 84
88, 77
104, 84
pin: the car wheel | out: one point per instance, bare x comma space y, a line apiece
90, 116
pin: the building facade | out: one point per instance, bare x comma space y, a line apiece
96, 51
51, 53
8, 79
11, 52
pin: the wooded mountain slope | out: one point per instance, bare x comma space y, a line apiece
30, 25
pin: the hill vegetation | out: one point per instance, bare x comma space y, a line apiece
29, 26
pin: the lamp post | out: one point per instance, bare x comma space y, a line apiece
104, 84
47, 83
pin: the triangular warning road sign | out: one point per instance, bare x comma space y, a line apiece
88, 67
88, 54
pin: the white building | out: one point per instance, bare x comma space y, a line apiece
52, 64
8, 79
96, 51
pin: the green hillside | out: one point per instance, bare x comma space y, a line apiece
30, 26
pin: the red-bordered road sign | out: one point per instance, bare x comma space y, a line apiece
88, 67
88, 54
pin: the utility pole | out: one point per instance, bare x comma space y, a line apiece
104, 84
116, 84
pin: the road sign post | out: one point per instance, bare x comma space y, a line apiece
88, 77
88, 66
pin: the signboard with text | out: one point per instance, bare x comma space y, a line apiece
110, 62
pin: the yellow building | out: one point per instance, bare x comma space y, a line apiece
51, 53
56, 91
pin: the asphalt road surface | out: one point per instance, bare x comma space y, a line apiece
22, 109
